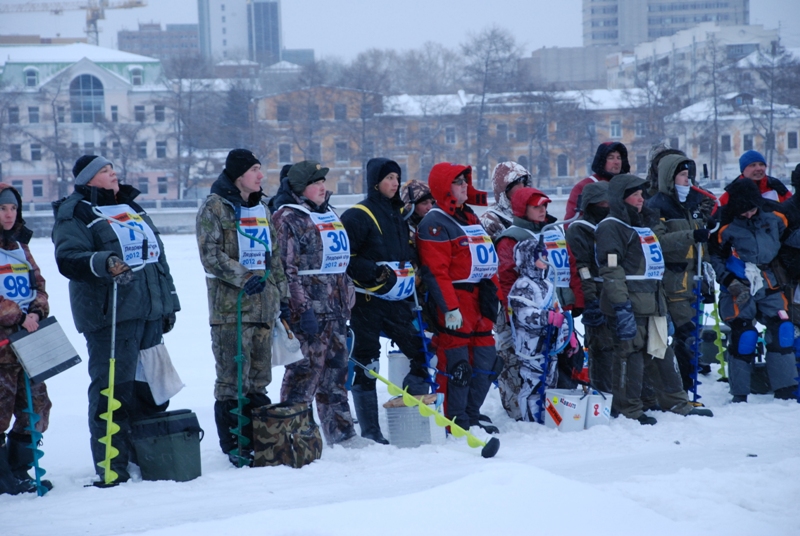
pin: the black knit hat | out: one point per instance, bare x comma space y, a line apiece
238, 162
87, 166
743, 195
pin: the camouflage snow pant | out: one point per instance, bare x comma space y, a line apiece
509, 380
14, 400
256, 363
320, 376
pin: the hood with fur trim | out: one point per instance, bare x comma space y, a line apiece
442, 176
505, 174
599, 162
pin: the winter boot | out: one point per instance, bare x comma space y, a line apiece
486, 424
646, 419
366, 404
225, 420
703, 412
739, 398
786, 393
20, 458
8, 482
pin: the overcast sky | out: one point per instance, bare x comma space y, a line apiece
346, 27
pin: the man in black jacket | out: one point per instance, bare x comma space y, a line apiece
380, 266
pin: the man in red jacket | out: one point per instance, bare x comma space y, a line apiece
461, 257
610, 159
754, 167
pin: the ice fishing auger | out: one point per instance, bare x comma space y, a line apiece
241, 400
111, 452
698, 317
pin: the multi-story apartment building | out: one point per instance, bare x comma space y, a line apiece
630, 22
176, 41
240, 29
60, 101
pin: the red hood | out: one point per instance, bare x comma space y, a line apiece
442, 176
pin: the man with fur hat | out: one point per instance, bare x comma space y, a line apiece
381, 268
742, 252
506, 177
610, 159
315, 255
463, 262
753, 166
233, 263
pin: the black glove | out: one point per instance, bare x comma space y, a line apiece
386, 276
119, 270
254, 285
286, 313
740, 291
592, 316
308, 322
168, 322
626, 322
701, 235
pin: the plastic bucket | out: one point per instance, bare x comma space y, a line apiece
565, 409
409, 429
598, 409
399, 366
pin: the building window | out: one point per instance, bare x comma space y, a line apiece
18, 187
561, 165
114, 114
284, 153
88, 148
141, 149
224, 31
161, 149
13, 115
704, 146
641, 128
616, 129
591, 129
33, 114
314, 151
399, 137
283, 112
104, 149
138, 113
725, 143
144, 185
641, 163
38, 188
86, 99
137, 77
313, 112
15, 150
223, 18
562, 131
160, 114
747, 143
340, 112
31, 78
116, 150
674, 143
36, 151
791, 140
61, 114
163, 186
425, 133
222, 7
769, 142
502, 132
450, 135
342, 152
522, 132
523, 161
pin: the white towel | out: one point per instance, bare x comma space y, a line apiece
155, 368
753, 274
657, 333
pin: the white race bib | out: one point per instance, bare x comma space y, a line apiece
15, 282
130, 234
253, 222
335, 245
484, 256
653, 257
556, 246
404, 286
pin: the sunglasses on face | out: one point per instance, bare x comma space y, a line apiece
459, 181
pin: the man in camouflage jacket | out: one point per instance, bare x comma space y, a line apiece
239, 187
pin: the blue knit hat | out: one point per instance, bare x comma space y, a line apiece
749, 157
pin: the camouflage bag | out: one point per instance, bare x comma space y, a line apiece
285, 435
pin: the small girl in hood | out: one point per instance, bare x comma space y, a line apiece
534, 306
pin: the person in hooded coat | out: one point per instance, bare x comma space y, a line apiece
610, 159
742, 253
418, 201
685, 210
17, 311
233, 264
381, 266
461, 257
506, 177
93, 253
315, 259
580, 236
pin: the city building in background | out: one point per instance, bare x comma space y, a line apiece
240, 29
177, 40
627, 23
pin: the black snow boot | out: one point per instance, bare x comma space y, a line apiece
20, 458
8, 482
786, 393
225, 420
645, 419
366, 404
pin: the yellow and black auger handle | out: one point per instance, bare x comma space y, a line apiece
488, 449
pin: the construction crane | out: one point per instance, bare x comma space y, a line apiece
95, 11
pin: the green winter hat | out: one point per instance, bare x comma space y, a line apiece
304, 173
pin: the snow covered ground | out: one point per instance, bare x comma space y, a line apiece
735, 474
